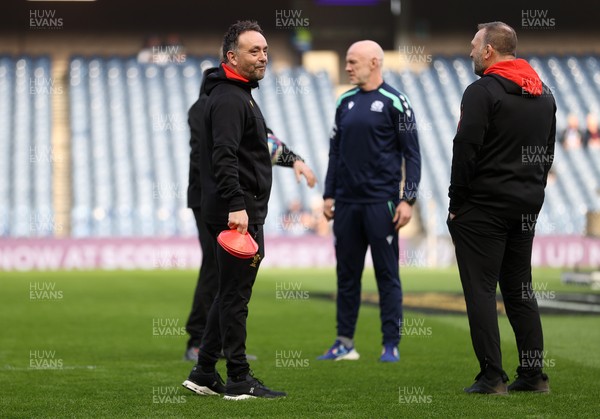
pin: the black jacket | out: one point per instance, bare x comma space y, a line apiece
229, 161
504, 145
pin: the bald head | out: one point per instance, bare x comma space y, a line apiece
364, 60
367, 49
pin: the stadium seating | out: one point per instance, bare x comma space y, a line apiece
130, 141
26, 154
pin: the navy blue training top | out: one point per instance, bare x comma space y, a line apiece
374, 132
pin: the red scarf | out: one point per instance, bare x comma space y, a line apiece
520, 72
231, 74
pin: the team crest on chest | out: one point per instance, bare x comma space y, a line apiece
377, 106
350, 104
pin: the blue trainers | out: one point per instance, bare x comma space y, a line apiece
390, 353
339, 351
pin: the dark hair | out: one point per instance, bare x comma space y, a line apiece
500, 36
230, 40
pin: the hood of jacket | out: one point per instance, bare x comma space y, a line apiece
224, 74
516, 76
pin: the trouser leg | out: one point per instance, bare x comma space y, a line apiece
519, 297
206, 287
350, 250
383, 240
480, 240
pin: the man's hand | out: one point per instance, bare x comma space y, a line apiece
403, 215
238, 220
302, 169
328, 211
451, 216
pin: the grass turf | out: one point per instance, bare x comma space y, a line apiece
100, 329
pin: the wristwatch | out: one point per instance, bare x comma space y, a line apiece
409, 201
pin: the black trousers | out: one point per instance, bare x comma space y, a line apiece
206, 287
492, 250
226, 323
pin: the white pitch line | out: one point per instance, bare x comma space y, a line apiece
67, 367
584, 308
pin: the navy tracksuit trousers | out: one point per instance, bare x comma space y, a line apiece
356, 227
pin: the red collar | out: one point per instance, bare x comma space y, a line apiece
231, 74
520, 72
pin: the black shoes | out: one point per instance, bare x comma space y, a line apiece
204, 384
537, 383
484, 385
211, 384
250, 388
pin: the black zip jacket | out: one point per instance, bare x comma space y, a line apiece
229, 161
504, 145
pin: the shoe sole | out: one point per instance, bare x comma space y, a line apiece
484, 394
350, 356
200, 390
529, 391
239, 397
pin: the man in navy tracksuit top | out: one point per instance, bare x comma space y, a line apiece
503, 150
374, 133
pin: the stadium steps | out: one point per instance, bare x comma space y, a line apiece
61, 147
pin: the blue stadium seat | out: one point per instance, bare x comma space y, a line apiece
130, 140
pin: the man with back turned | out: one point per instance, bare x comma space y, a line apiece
502, 153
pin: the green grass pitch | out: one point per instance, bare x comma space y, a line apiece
109, 344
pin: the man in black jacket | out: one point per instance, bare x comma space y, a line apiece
234, 169
208, 276
503, 150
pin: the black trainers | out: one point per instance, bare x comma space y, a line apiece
537, 383
250, 388
204, 384
484, 385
